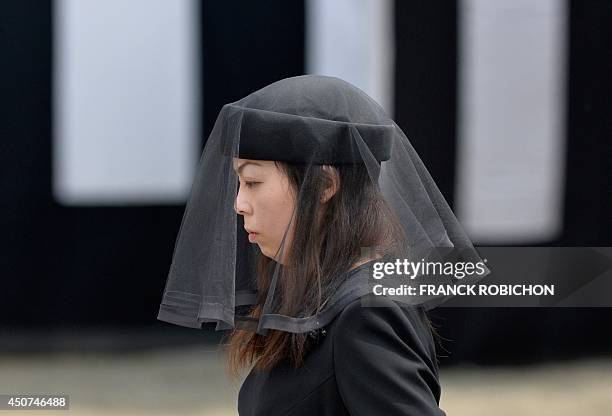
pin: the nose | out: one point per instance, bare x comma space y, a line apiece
241, 206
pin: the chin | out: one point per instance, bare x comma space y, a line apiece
264, 251
268, 254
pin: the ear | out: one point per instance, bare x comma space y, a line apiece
333, 183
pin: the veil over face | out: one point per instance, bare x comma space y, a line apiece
310, 121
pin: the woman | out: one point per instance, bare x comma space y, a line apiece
370, 360
325, 185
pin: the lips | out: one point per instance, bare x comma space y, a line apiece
252, 235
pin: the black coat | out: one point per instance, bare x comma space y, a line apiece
371, 361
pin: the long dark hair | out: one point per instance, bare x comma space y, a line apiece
329, 238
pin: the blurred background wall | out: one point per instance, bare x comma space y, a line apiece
106, 107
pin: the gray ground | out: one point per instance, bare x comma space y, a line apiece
191, 381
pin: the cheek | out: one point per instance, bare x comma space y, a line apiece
276, 210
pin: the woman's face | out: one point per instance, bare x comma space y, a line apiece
266, 201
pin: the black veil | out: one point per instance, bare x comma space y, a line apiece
313, 121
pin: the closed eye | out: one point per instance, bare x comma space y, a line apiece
250, 184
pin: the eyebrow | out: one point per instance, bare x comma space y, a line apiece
244, 164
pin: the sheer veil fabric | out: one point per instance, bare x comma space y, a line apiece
310, 120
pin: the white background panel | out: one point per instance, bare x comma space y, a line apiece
125, 101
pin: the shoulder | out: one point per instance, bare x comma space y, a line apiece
381, 318
388, 346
